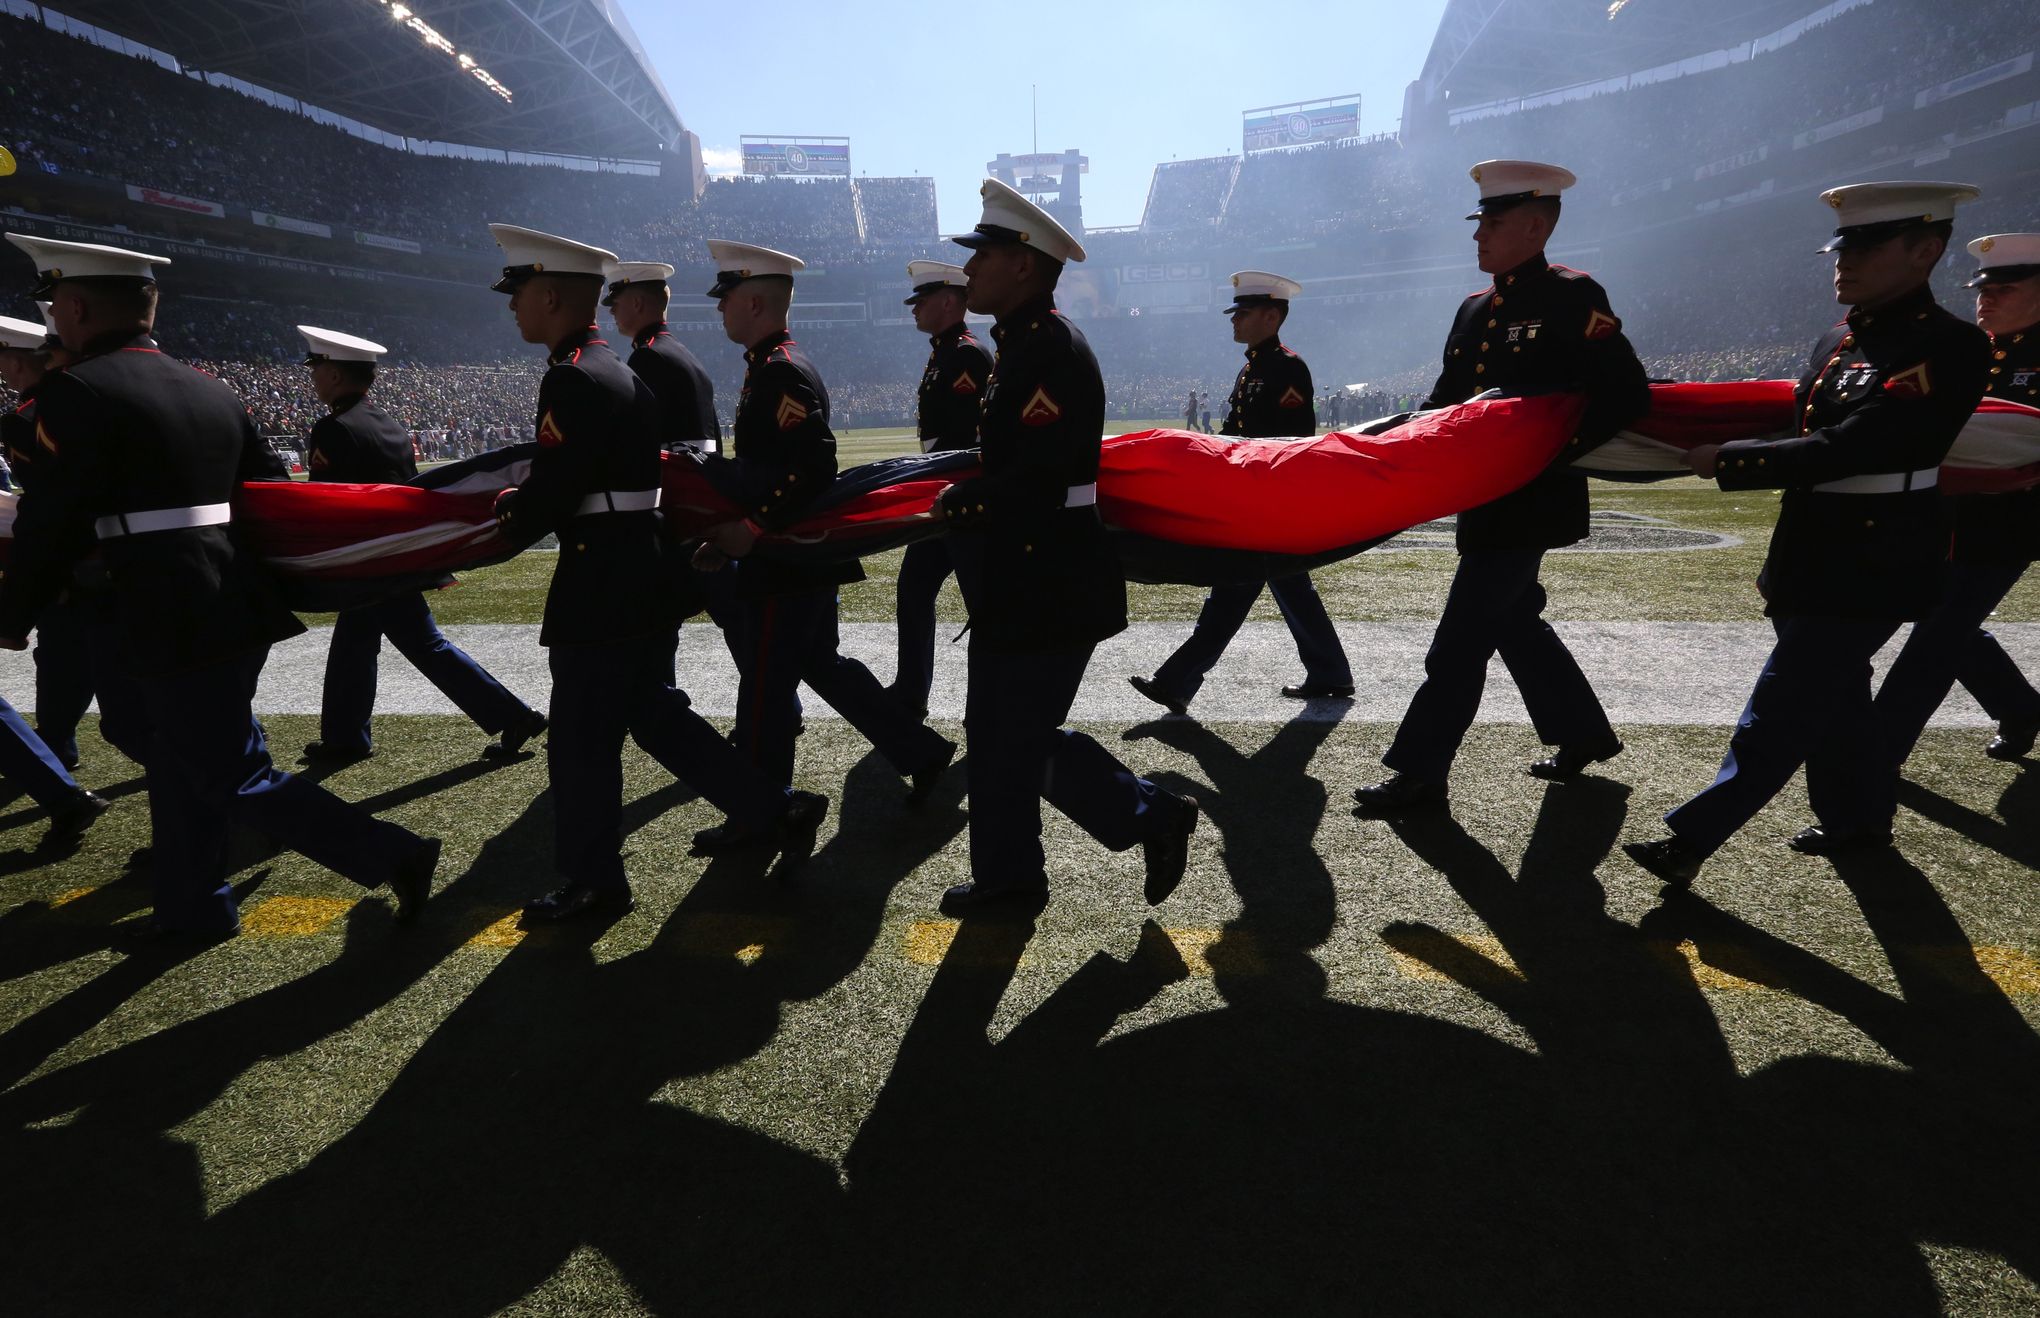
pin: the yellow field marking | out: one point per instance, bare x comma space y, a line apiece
1191, 945
503, 933
1212, 951
1711, 976
928, 941
1481, 958
293, 917
2013, 971
66, 898
745, 937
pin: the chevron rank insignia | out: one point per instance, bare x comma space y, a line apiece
42, 436
1600, 324
318, 460
964, 384
1910, 383
1291, 398
549, 433
1041, 410
791, 412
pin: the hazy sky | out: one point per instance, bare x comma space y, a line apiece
941, 89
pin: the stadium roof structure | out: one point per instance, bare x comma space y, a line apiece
579, 81
1489, 49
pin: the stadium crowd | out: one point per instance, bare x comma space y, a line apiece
461, 370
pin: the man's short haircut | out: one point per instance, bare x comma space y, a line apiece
361, 373
118, 299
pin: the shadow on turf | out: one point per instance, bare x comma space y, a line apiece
1284, 1153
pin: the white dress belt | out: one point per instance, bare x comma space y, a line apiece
1894, 482
1081, 496
162, 519
618, 501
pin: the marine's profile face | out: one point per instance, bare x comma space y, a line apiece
1251, 325
995, 273
1507, 238
526, 310
2010, 307
1872, 275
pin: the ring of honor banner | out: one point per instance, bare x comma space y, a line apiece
1306, 121
807, 157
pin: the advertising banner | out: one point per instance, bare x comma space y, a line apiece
172, 201
285, 222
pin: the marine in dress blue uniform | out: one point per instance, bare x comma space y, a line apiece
637, 300
358, 443
1539, 328
609, 617
784, 615
1271, 397
1049, 588
1862, 538
145, 456
74, 637
952, 388
1997, 536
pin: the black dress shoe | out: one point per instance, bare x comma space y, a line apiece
1567, 763
513, 739
1318, 691
925, 781
577, 899
411, 881
319, 752
1399, 795
1168, 853
2014, 740
804, 814
1819, 841
72, 816
1668, 857
1152, 689
1012, 900
150, 934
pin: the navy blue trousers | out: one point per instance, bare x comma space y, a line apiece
926, 564
1948, 646
1811, 706
1495, 604
407, 620
1225, 611
784, 640
1020, 755
77, 657
603, 693
28, 763
208, 769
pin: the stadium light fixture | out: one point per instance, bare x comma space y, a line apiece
432, 37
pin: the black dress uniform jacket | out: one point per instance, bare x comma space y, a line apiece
1051, 578
2003, 528
1271, 396
677, 380
785, 459
1542, 329
953, 390
598, 432
129, 430
360, 444
1886, 391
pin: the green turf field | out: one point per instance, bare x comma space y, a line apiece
1467, 1066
